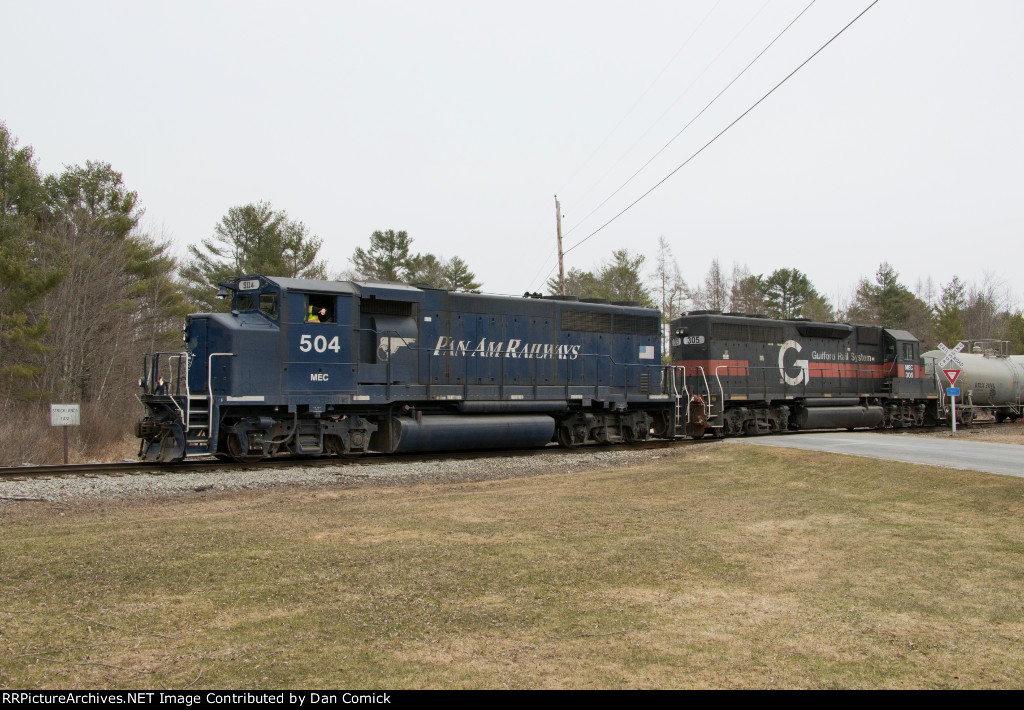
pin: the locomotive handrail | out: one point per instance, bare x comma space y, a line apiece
151, 371
177, 374
699, 371
177, 384
675, 389
721, 389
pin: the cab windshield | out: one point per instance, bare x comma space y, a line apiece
265, 303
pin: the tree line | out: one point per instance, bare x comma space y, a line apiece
948, 314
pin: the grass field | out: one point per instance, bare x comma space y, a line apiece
731, 567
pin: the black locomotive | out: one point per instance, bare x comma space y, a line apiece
743, 374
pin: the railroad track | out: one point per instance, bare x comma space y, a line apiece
139, 468
121, 468
136, 468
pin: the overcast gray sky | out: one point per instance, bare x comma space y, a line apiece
460, 121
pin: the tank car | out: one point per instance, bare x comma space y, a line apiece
308, 367
991, 380
742, 374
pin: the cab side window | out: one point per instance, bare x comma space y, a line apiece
268, 304
319, 309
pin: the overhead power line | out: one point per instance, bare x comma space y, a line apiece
645, 92
723, 131
690, 123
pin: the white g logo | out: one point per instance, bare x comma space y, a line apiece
805, 371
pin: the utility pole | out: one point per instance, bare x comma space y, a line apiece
561, 264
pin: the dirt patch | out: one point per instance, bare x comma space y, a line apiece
1004, 433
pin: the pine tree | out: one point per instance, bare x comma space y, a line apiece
458, 277
890, 304
617, 279
119, 297
787, 292
387, 259
23, 326
251, 239
949, 313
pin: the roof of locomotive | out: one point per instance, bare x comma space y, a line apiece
902, 335
408, 292
837, 328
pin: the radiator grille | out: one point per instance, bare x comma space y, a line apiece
636, 325
587, 321
382, 307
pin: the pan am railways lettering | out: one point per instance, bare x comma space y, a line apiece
514, 348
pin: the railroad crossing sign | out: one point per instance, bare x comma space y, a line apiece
952, 374
951, 357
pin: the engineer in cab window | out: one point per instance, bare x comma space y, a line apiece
316, 315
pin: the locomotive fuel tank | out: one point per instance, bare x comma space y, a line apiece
457, 432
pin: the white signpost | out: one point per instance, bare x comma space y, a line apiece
951, 374
64, 415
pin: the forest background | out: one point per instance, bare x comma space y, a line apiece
85, 291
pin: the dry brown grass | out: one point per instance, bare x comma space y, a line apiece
729, 567
105, 434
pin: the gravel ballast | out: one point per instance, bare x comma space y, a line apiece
342, 475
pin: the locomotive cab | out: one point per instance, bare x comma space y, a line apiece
905, 371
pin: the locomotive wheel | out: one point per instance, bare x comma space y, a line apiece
633, 434
334, 445
663, 425
565, 439
235, 449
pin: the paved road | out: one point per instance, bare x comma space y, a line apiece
1007, 459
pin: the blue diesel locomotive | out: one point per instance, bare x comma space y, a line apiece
306, 367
